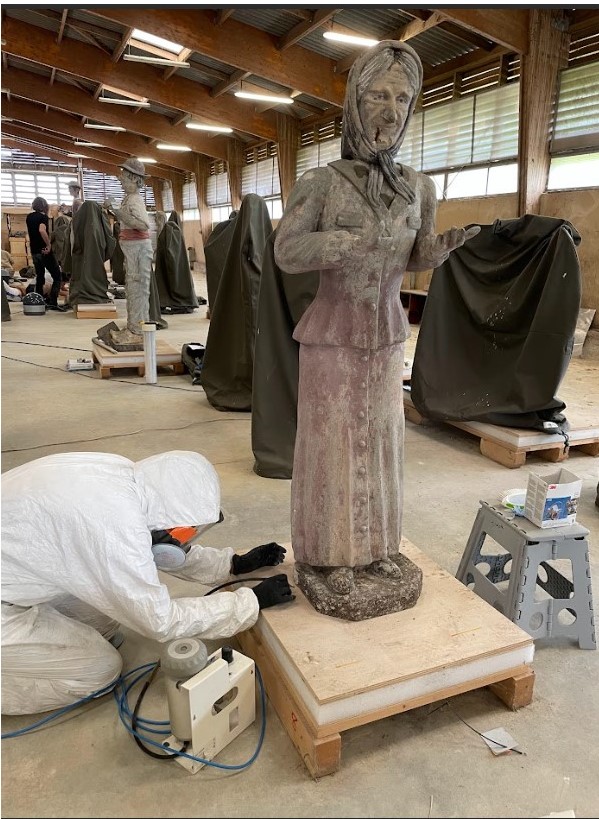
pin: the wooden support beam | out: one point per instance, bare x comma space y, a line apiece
238, 45
181, 58
62, 124
318, 19
416, 27
202, 171
546, 55
301, 14
36, 45
507, 26
408, 32
222, 15
224, 86
62, 25
60, 147
235, 163
584, 18
180, 119
121, 45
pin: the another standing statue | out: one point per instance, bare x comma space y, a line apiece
75, 191
362, 222
136, 245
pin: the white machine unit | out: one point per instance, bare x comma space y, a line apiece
208, 708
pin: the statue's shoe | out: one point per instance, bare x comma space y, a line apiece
340, 579
384, 568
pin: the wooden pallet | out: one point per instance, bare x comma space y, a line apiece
166, 357
325, 676
509, 446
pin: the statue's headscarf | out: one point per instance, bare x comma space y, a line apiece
355, 143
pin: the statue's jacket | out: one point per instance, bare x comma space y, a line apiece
358, 302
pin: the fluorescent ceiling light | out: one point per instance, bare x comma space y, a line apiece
77, 156
350, 39
80, 144
147, 160
160, 42
142, 58
135, 103
104, 127
163, 146
220, 129
248, 95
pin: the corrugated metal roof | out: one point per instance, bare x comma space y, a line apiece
274, 21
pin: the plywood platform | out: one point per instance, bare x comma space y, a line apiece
166, 356
325, 676
510, 445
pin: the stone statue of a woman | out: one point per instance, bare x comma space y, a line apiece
362, 222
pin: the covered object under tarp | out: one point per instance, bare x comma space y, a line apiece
173, 275
282, 302
215, 254
497, 330
229, 358
93, 245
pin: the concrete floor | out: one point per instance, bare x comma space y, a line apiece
423, 763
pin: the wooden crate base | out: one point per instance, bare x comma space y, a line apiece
509, 446
325, 676
167, 358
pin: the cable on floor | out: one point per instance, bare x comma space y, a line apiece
119, 435
37, 344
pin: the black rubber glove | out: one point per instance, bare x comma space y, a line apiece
273, 591
271, 554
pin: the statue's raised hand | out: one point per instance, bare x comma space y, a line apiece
453, 238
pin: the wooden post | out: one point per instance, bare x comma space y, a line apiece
235, 161
288, 141
201, 176
156, 185
178, 195
549, 41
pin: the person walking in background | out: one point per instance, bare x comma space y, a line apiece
41, 252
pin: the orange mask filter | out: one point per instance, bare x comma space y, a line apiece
182, 533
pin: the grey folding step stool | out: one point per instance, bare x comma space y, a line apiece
529, 547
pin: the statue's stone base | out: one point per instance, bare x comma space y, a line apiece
372, 595
123, 341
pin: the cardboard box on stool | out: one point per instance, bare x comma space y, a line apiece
552, 500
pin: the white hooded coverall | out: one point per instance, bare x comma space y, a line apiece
77, 556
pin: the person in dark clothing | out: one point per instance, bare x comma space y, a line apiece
41, 252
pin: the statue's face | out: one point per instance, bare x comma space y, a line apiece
128, 182
384, 107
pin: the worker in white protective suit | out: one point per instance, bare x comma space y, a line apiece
83, 537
